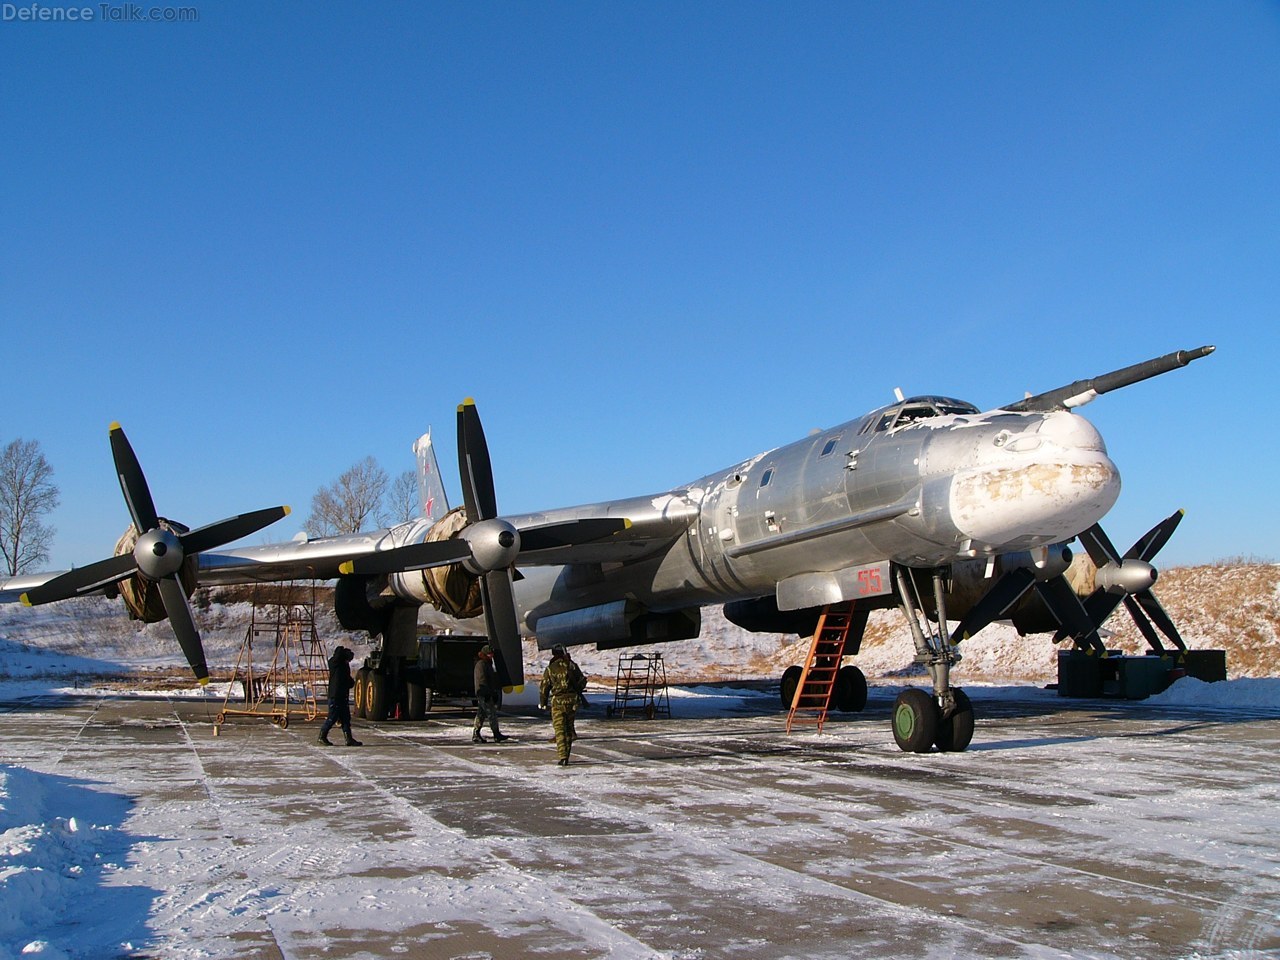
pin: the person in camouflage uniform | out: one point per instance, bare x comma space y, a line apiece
562, 686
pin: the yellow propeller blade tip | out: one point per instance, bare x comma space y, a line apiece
26, 601
346, 567
468, 402
115, 425
519, 689
626, 524
203, 681
287, 509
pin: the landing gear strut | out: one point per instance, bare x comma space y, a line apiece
945, 718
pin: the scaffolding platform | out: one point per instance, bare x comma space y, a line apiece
641, 688
281, 671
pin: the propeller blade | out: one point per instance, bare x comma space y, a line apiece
474, 465
413, 556
1099, 546
1151, 607
1144, 625
184, 625
81, 580
570, 532
1007, 591
1099, 605
1155, 538
1063, 603
233, 528
133, 484
502, 628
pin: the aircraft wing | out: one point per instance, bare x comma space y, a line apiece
11, 590
652, 524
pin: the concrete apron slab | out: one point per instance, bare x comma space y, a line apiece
1078, 830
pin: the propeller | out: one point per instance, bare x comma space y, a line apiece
158, 555
1049, 580
1129, 579
487, 547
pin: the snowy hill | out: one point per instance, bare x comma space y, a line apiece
1232, 606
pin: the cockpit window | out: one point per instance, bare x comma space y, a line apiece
766, 477
829, 446
916, 409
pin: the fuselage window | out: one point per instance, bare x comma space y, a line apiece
829, 446
766, 477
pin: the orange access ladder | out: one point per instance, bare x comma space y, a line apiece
818, 679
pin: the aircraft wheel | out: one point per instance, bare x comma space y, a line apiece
419, 701
377, 701
362, 693
915, 721
851, 690
284, 723
790, 680
955, 731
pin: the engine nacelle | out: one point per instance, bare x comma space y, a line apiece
970, 583
622, 623
761, 615
451, 589
355, 607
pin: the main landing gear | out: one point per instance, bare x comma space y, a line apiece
943, 718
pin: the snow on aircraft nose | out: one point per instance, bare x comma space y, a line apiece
1040, 484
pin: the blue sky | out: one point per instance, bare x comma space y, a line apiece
649, 238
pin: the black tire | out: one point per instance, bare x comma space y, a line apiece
419, 701
362, 693
851, 690
787, 689
915, 721
956, 731
378, 700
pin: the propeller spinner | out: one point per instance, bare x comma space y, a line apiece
157, 556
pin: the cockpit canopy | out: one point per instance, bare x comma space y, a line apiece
912, 410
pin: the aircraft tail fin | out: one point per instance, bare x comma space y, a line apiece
432, 500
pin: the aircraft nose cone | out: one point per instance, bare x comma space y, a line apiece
1070, 431
1026, 494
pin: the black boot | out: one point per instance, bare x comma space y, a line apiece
324, 738
353, 742
499, 737
476, 738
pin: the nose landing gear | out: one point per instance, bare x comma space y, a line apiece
943, 718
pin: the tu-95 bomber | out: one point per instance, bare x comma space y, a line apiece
955, 515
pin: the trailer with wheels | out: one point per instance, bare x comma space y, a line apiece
403, 687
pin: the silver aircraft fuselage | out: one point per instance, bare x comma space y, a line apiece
921, 483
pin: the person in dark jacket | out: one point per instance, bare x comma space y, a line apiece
486, 686
340, 684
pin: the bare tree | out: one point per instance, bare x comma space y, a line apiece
403, 499
351, 503
27, 493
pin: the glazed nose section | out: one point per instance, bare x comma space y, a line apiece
1041, 485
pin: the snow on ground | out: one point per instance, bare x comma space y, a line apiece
193, 843
63, 839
